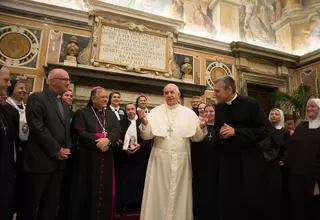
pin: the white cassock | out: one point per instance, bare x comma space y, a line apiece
168, 186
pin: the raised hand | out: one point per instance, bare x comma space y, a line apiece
143, 117
203, 122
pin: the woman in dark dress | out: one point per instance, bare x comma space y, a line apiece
274, 150
304, 165
133, 162
204, 166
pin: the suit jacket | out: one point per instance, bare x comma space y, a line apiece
49, 132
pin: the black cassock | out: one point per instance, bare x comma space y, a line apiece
275, 149
131, 169
205, 171
93, 184
241, 190
304, 168
7, 165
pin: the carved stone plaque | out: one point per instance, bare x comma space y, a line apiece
139, 47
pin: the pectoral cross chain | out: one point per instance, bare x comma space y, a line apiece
170, 131
104, 133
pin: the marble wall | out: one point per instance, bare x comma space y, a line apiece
26, 46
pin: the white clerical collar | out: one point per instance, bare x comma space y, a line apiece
230, 102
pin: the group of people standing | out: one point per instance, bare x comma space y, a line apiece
267, 170
224, 161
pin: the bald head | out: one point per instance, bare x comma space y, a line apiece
4, 80
58, 80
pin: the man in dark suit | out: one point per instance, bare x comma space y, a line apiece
7, 153
48, 146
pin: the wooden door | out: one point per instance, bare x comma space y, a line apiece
261, 94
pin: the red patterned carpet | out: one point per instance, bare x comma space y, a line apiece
129, 216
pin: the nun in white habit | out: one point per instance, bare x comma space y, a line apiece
304, 165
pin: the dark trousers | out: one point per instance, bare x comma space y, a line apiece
6, 196
41, 193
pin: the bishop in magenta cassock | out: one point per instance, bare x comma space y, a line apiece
93, 184
168, 186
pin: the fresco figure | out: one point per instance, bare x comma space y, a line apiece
256, 30
312, 40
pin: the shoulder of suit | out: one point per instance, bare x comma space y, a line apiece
37, 95
247, 99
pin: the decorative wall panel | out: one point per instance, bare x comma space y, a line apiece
20, 45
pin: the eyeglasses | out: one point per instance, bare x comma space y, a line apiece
64, 79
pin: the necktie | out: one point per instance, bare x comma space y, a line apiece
60, 107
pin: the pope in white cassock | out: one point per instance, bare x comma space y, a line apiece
168, 186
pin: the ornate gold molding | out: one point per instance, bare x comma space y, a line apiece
98, 61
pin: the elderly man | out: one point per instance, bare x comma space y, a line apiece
93, 186
6, 150
42, 159
168, 187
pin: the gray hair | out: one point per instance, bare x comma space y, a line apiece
227, 81
173, 85
195, 97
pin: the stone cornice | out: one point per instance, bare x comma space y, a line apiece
241, 49
123, 14
309, 58
43, 11
296, 15
137, 83
203, 44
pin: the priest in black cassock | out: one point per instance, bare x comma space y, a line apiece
204, 169
7, 163
93, 185
240, 124
133, 162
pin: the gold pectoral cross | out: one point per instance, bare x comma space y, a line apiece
170, 131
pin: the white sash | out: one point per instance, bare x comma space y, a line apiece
131, 136
23, 126
116, 111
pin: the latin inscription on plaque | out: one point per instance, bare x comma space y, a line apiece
138, 49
